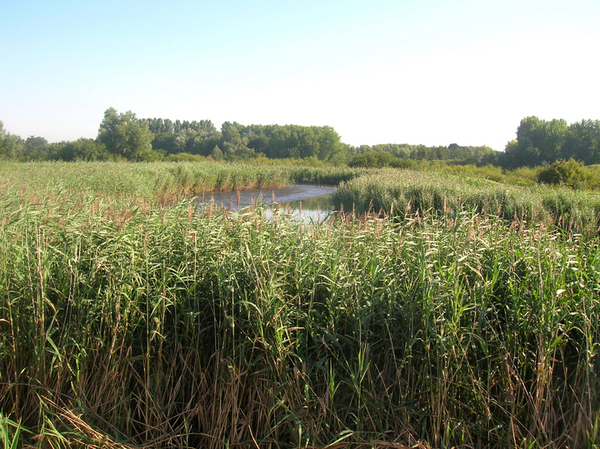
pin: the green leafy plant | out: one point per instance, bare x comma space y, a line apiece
569, 173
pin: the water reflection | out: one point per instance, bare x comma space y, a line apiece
301, 201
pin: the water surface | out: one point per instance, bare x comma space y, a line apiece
302, 201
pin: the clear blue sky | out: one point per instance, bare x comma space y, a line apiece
378, 71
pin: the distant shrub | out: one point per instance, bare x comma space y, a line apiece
184, 157
569, 173
79, 150
380, 159
404, 163
151, 156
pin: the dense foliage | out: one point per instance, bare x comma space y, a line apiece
540, 141
379, 159
569, 173
365, 155
123, 322
235, 140
123, 136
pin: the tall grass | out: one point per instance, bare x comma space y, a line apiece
126, 323
523, 176
403, 193
166, 182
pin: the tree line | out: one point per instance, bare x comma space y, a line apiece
538, 143
401, 155
542, 142
124, 136
141, 139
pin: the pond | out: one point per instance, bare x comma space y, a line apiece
303, 201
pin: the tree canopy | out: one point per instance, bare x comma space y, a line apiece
124, 135
545, 142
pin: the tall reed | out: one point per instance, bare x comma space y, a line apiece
402, 193
167, 182
124, 323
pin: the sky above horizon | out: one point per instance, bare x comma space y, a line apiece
427, 72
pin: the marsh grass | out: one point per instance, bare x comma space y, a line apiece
124, 323
162, 182
523, 176
402, 193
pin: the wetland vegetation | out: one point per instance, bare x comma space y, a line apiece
434, 311
452, 300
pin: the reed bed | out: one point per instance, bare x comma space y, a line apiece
163, 182
124, 323
402, 193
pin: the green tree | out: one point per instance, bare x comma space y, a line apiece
124, 135
79, 150
259, 143
372, 159
164, 141
11, 146
35, 149
234, 144
537, 141
330, 146
279, 142
216, 153
307, 141
185, 141
583, 141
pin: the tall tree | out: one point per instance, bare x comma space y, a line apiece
124, 135
79, 150
35, 148
583, 141
330, 146
11, 146
537, 141
234, 144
